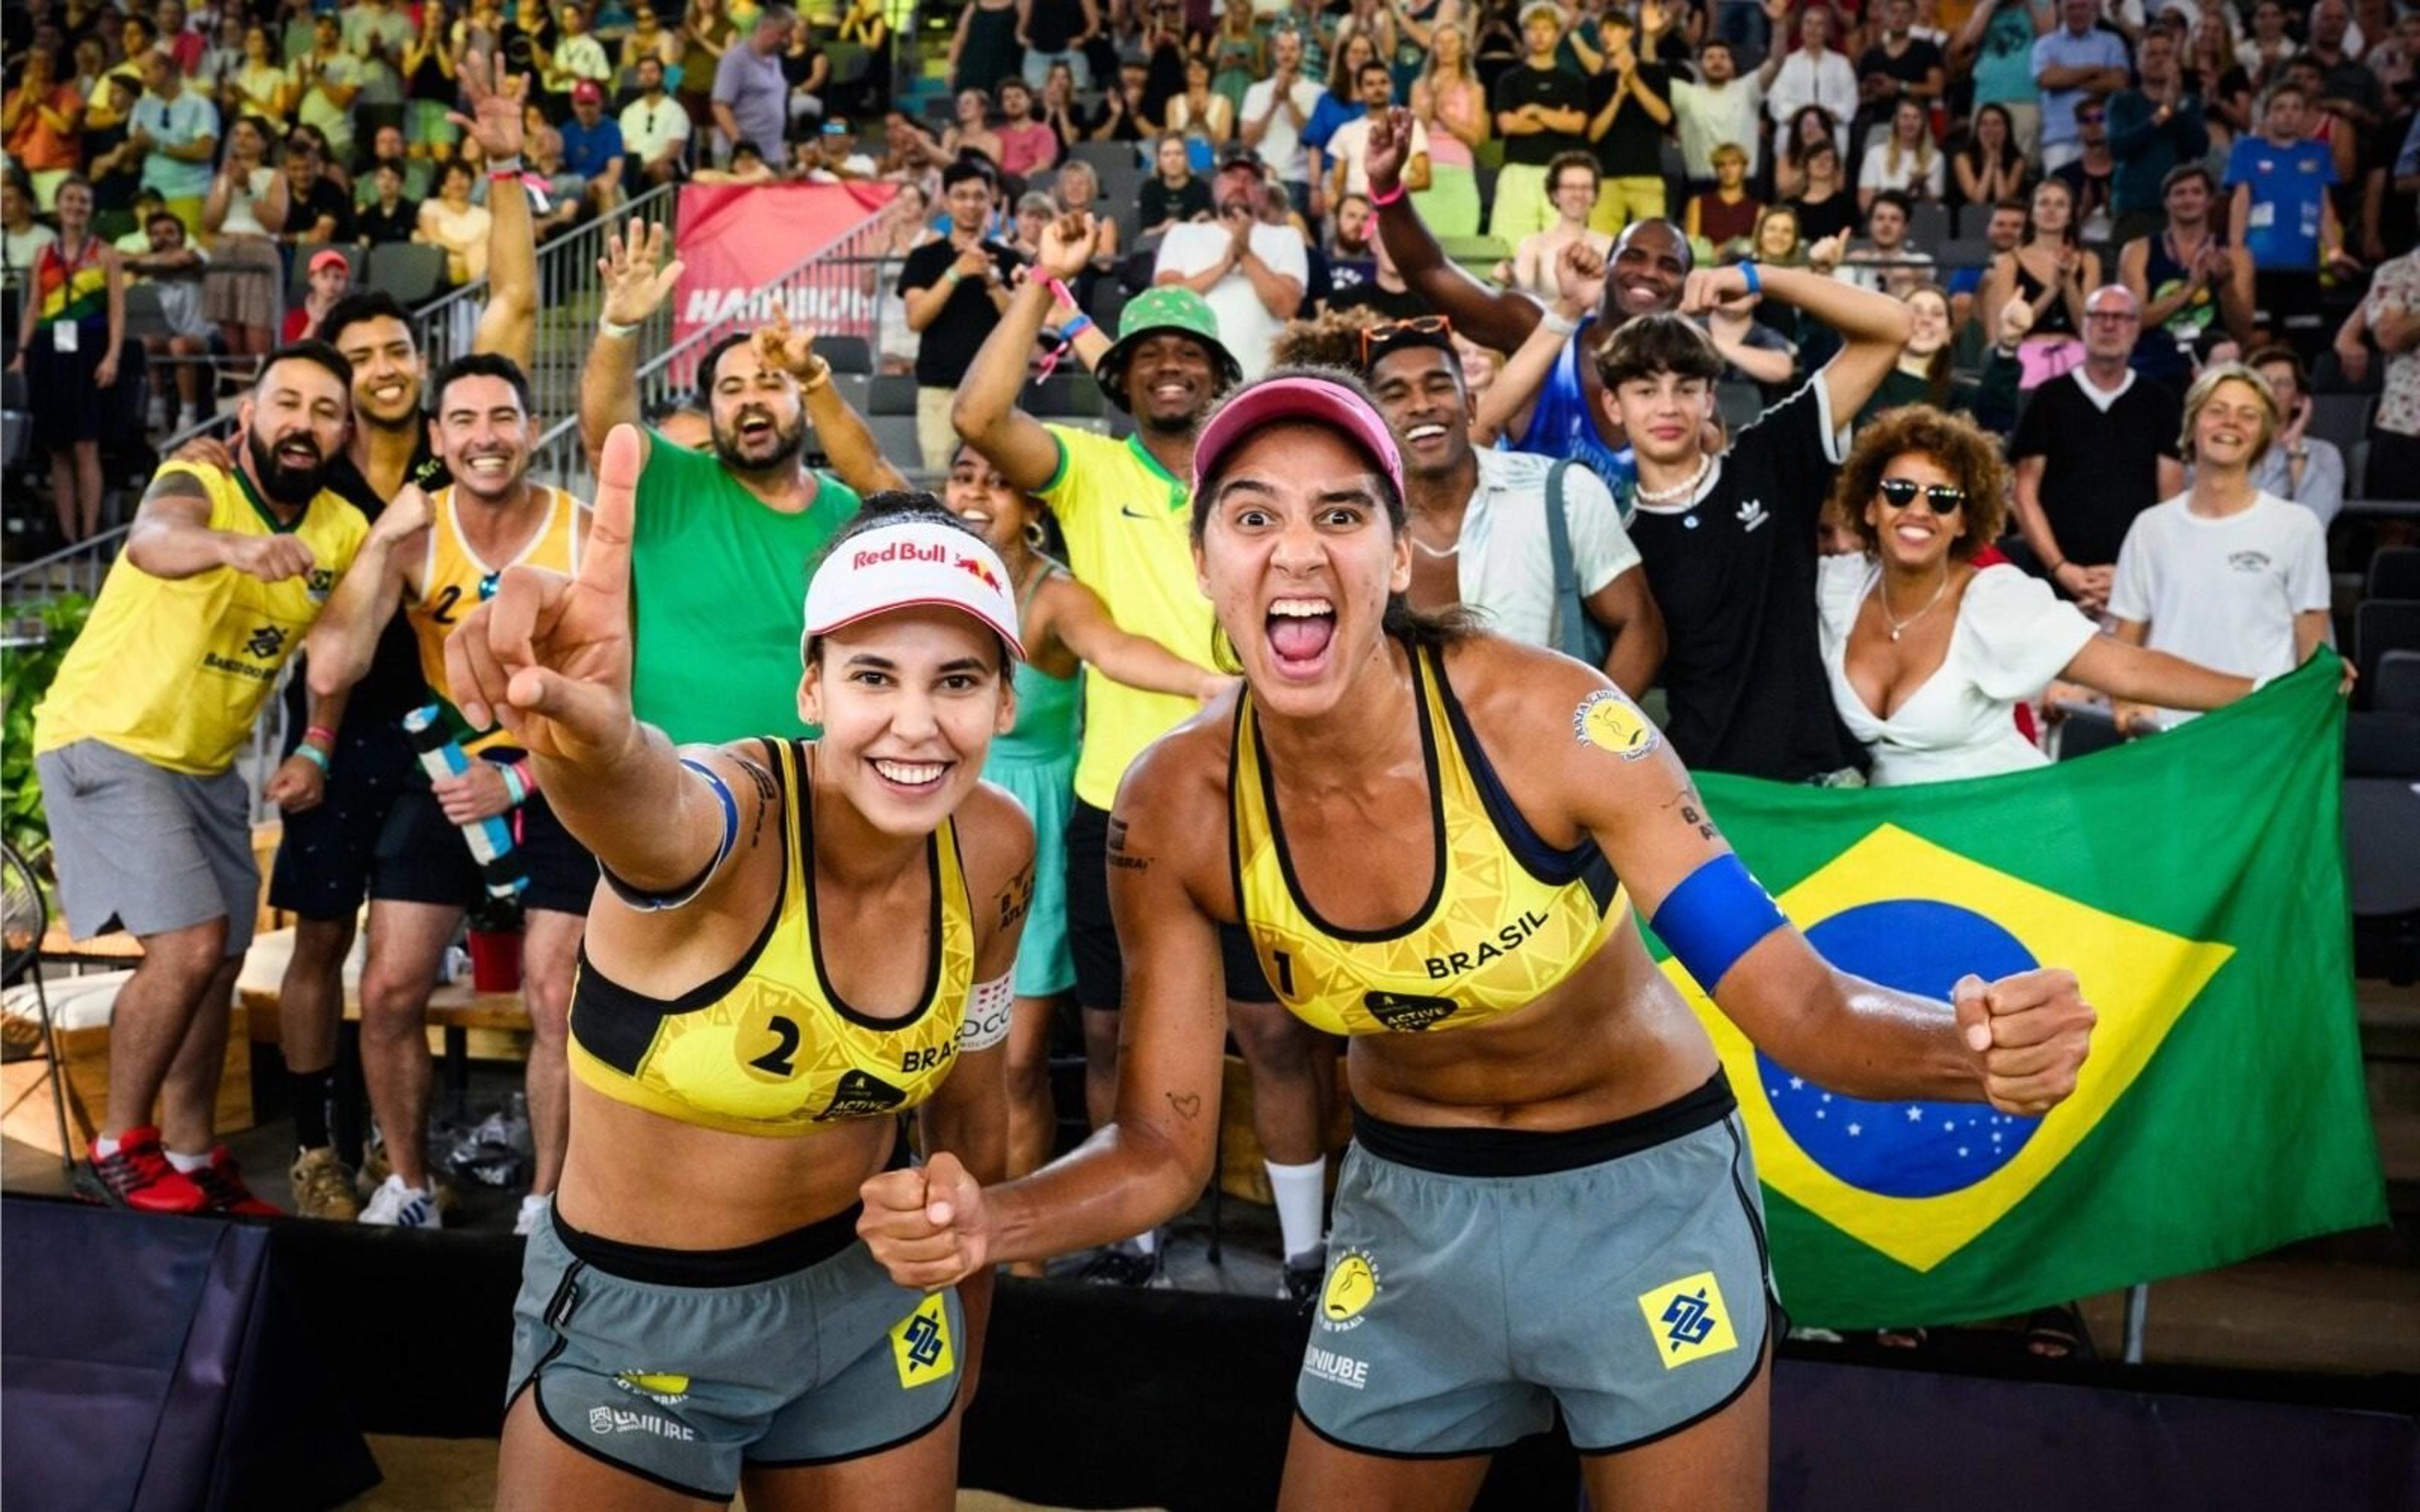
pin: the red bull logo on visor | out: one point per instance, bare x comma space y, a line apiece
982, 572
902, 552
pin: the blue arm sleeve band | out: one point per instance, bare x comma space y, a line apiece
1714, 917
653, 902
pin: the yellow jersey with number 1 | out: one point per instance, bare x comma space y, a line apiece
770, 1047
174, 670
455, 579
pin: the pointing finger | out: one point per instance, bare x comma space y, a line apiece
605, 565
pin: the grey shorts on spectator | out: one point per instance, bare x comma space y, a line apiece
151, 849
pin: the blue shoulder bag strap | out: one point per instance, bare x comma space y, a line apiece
1575, 635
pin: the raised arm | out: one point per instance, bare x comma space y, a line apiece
847, 441
1491, 317
509, 324
344, 639
635, 287
985, 411
2016, 1043
172, 537
1505, 408
1873, 327
549, 657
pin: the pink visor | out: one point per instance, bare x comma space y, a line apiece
913, 563
1274, 401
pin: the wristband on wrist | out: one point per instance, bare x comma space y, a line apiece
606, 325
1755, 279
1559, 325
1062, 294
513, 789
1382, 201
504, 168
819, 378
321, 736
314, 755
1076, 328
2059, 567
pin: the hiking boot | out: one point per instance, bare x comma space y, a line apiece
322, 1187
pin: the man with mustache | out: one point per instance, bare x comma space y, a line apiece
438, 555
724, 540
1569, 418
135, 744
1125, 506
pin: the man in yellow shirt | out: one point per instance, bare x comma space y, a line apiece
1125, 509
135, 744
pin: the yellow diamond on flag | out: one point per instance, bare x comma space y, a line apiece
1954, 1170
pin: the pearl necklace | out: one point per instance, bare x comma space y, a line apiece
1683, 490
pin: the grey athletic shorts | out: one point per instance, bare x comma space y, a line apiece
681, 1366
149, 849
1479, 1279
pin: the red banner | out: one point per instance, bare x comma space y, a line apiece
745, 251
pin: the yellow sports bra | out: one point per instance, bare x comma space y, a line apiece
769, 1047
1507, 918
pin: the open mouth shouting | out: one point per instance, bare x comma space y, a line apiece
300, 453
1301, 630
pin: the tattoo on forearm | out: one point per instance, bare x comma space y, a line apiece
1693, 813
1015, 899
1187, 1105
1120, 854
179, 485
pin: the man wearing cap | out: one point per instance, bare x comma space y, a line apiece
1482, 521
1125, 507
1249, 269
1650, 264
723, 539
593, 147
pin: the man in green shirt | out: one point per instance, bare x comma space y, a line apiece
723, 541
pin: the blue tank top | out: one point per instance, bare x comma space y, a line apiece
1050, 710
1560, 425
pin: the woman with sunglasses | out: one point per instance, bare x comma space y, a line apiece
1434, 838
1928, 652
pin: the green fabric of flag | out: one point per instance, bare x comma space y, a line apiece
2194, 883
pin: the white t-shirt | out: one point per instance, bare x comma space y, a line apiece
1350, 145
1282, 144
1246, 328
334, 121
1505, 568
2014, 636
1923, 183
23, 247
1802, 82
1707, 117
2222, 590
649, 125
242, 209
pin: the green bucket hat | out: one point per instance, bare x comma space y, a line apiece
1167, 307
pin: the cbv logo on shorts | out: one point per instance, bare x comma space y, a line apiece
613, 1420
1688, 1318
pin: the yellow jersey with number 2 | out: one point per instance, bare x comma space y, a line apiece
455, 579
770, 1047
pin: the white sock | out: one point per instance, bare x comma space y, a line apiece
1146, 1242
104, 1148
188, 1164
1299, 1191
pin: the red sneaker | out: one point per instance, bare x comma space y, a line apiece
222, 1182
140, 1177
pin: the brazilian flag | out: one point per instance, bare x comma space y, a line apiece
2194, 883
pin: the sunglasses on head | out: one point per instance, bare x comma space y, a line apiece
1939, 498
1426, 329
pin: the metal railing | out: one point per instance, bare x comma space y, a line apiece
827, 289
567, 297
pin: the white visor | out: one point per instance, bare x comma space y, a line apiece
910, 564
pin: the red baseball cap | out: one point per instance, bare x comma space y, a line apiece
586, 93
327, 257
1276, 400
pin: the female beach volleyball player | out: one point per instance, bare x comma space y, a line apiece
1434, 836
790, 941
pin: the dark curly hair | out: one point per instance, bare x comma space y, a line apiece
1964, 451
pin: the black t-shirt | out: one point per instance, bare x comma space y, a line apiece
1825, 218
1632, 147
1910, 67
1734, 574
324, 199
381, 228
2091, 190
1407, 305
1055, 24
951, 342
2100, 468
1161, 202
1555, 90
395, 686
